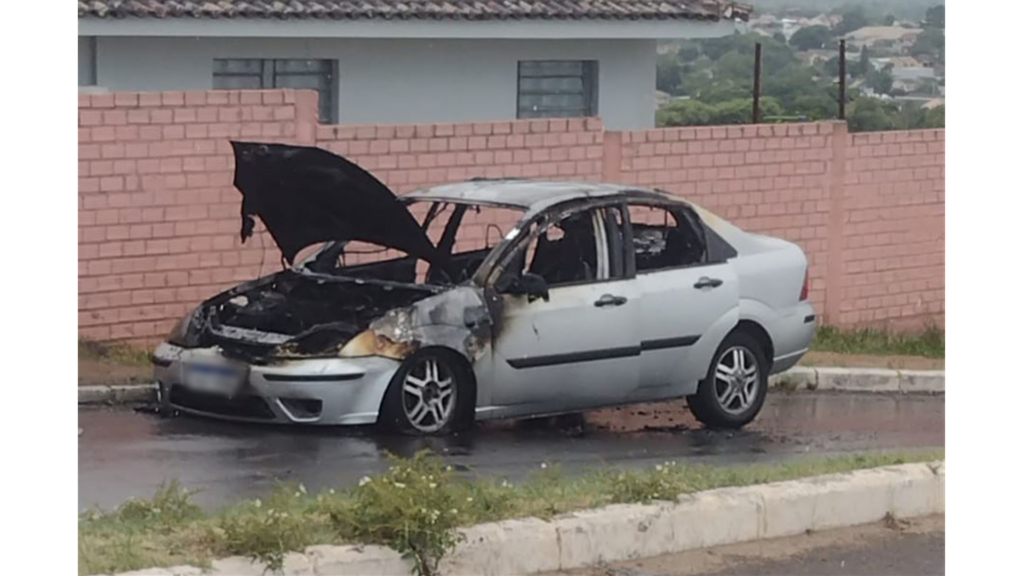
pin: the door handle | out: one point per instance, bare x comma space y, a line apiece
609, 300
706, 282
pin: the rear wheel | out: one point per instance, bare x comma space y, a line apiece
734, 390
429, 395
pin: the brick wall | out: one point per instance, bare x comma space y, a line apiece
159, 219
893, 254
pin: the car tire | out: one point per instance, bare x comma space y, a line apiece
431, 394
727, 397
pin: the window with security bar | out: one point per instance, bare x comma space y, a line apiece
557, 88
256, 74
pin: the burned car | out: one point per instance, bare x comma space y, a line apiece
483, 299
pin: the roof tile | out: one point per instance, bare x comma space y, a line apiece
419, 9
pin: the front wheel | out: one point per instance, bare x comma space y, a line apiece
429, 395
736, 384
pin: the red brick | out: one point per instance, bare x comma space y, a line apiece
150, 99
102, 100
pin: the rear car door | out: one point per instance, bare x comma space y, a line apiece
581, 346
689, 296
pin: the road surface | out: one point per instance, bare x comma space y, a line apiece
124, 453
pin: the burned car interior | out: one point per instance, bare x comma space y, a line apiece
665, 238
323, 301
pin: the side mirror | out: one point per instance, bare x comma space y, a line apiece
532, 285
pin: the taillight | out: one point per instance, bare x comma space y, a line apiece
807, 280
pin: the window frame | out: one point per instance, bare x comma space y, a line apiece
589, 77
691, 217
327, 112
528, 233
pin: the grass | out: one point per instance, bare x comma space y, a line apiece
414, 507
112, 352
931, 343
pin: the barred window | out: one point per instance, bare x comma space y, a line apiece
255, 74
557, 88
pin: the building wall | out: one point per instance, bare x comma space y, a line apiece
393, 80
86, 61
159, 221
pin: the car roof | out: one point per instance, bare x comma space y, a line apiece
531, 195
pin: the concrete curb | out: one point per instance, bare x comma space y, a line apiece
629, 531
860, 380
121, 394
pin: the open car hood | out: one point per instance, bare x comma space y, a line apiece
307, 195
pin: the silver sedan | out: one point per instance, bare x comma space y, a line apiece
483, 299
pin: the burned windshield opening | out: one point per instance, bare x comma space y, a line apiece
464, 233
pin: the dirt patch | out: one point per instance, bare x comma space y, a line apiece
655, 417
93, 372
815, 358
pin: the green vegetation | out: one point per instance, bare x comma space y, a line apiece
712, 78
414, 507
935, 17
811, 38
868, 114
930, 343
876, 11
718, 73
112, 352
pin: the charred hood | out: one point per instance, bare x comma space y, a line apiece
307, 195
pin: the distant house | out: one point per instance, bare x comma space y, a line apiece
915, 79
402, 60
812, 57
881, 37
897, 62
768, 25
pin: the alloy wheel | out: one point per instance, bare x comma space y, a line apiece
736, 379
428, 395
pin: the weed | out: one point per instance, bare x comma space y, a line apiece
113, 352
930, 343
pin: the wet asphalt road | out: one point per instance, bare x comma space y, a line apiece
124, 453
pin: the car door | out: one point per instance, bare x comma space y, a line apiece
579, 347
689, 302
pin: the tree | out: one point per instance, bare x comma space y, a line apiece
880, 80
931, 41
890, 19
853, 19
868, 114
696, 113
790, 83
779, 37
935, 17
816, 105
935, 117
688, 51
683, 113
811, 38
863, 65
668, 74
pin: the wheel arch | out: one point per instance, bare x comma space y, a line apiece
458, 357
759, 333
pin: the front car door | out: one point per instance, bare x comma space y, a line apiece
579, 347
689, 296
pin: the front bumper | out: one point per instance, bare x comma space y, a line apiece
328, 391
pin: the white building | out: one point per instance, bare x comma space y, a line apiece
403, 61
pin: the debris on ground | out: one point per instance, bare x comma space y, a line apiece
893, 523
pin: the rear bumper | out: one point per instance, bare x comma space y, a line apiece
328, 391
792, 335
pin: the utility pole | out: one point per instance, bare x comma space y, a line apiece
757, 83
842, 79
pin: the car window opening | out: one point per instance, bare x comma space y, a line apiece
580, 247
664, 238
